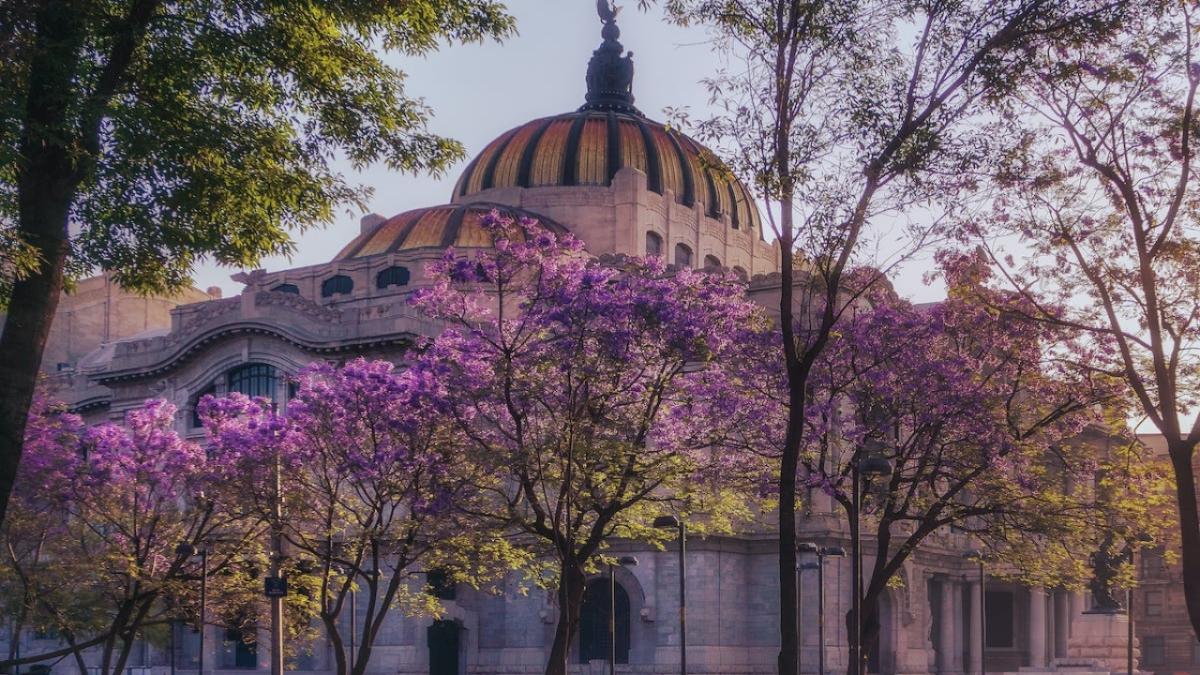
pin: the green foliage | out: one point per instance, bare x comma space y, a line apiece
208, 127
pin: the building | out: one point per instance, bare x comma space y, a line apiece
625, 185
97, 311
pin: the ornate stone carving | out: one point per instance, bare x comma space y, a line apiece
610, 75
203, 314
299, 304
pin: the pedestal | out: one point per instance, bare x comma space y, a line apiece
1099, 642
1097, 646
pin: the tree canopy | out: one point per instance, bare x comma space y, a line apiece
141, 136
571, 381
1092, 219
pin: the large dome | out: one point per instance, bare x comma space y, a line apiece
589, 147
437, 227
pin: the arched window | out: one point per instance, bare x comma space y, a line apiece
712, 262
253, 380
392, 276
287, 288
653, 244
337, 285
593, 622
683, 255
741, 272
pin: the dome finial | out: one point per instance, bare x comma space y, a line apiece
610, 75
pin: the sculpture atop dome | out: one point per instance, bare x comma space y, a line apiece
610, 75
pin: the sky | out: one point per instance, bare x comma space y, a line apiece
477, 92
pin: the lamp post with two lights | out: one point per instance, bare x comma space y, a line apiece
675, 523
821, 552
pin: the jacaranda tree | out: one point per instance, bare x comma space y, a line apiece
375, 493
90, 545
566, 377
982, 425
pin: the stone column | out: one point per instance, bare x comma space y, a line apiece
960, 639
947, 622
1075, 608
975, 629
1037, 627
1062, 623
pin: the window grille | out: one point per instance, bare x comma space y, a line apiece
337, 285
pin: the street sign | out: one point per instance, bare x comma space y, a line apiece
275, 587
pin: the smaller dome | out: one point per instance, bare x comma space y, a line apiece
438, 227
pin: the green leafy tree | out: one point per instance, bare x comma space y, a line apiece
139, 136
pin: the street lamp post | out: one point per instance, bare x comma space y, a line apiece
821, 552
672, 522
187, 551
802, 547
866, 468
820, 605
977, 557
1129, 636
624, 561
353, 628
1143, 539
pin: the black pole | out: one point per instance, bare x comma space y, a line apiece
820, 613
565, 600
1129, 637
203, 604
682, 597
612, 621
856, 581
353, 628
799, 615
982, 619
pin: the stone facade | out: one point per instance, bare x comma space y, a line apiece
98, 311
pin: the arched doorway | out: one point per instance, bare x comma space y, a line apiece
443, 639
593, 622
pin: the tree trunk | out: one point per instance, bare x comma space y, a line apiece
47, 180
127, 643
854, 654
1189, 524
789, 631
870, 626
336, 644
570, 601
789, 654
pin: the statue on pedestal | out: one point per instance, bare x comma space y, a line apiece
1106, 566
